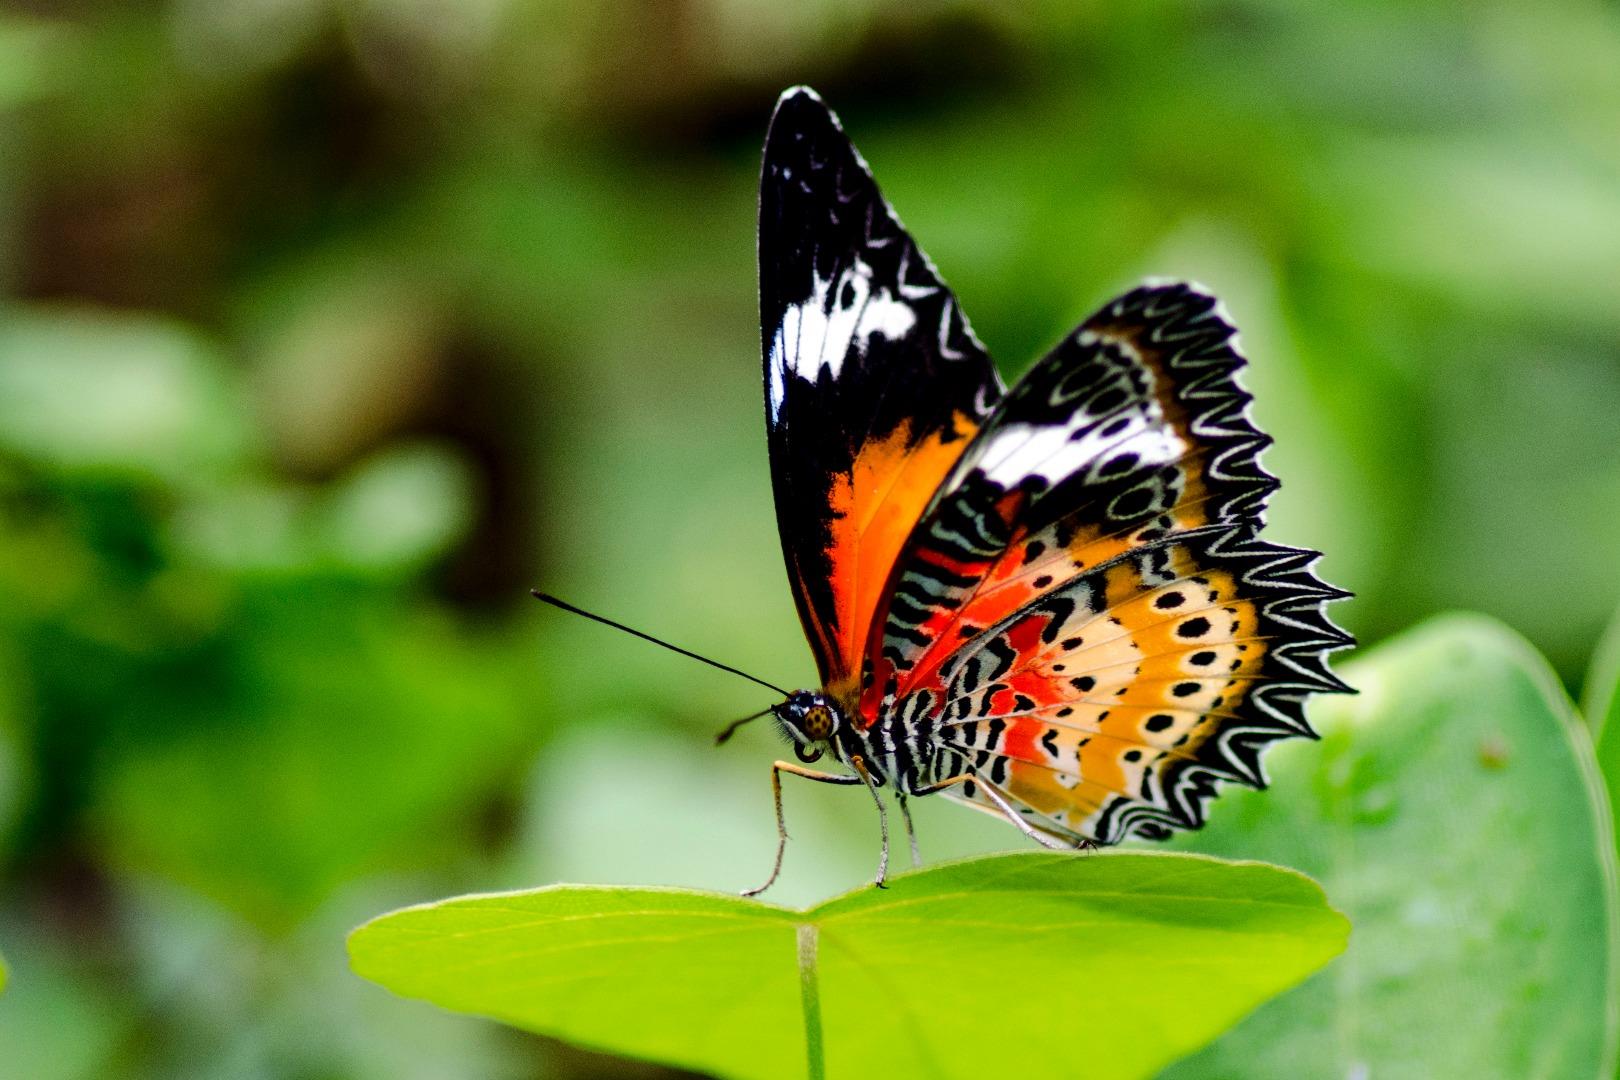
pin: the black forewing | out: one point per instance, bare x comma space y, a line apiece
874, 383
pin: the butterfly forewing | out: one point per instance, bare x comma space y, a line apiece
1131, 429
874, 382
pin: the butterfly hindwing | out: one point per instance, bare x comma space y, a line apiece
1113, 703
874, 381
1086, 606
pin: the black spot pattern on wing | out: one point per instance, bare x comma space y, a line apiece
1105, 433
1290, 601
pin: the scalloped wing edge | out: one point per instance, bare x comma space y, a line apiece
1287, 590
1200, 343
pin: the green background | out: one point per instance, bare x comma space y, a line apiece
330, 327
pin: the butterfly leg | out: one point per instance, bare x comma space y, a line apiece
999, 797
858, 763
911, 831
777, 770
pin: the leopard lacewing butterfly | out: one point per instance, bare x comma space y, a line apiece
1050, 602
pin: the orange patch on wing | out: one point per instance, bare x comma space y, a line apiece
1018, 577
1042, 790
875, 506
1095, 714
1165, 663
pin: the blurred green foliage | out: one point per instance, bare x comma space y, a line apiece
1454, 811
331, 326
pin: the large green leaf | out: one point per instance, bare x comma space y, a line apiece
1600, 700
1027, 964
1601, 705
1454, 809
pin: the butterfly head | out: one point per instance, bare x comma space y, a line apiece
810, 721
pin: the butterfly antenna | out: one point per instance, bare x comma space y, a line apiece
731, 728
554, 602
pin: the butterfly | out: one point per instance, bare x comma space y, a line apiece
1050, 602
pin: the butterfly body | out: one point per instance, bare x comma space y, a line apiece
900, 750
1051, 602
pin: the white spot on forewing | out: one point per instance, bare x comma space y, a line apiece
778, 381
1019, 451
840, 314
1092, 443
890, 318
1151, 448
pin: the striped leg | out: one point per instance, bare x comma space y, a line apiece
999, 797
858, 763
911, 832
777, 769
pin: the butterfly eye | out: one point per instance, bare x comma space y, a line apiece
818, 722
808, 755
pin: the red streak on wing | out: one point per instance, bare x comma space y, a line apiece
1018, 742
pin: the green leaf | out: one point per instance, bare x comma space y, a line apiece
1454, 808
1032, 963
2, 972
1600, 700
1601, 706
